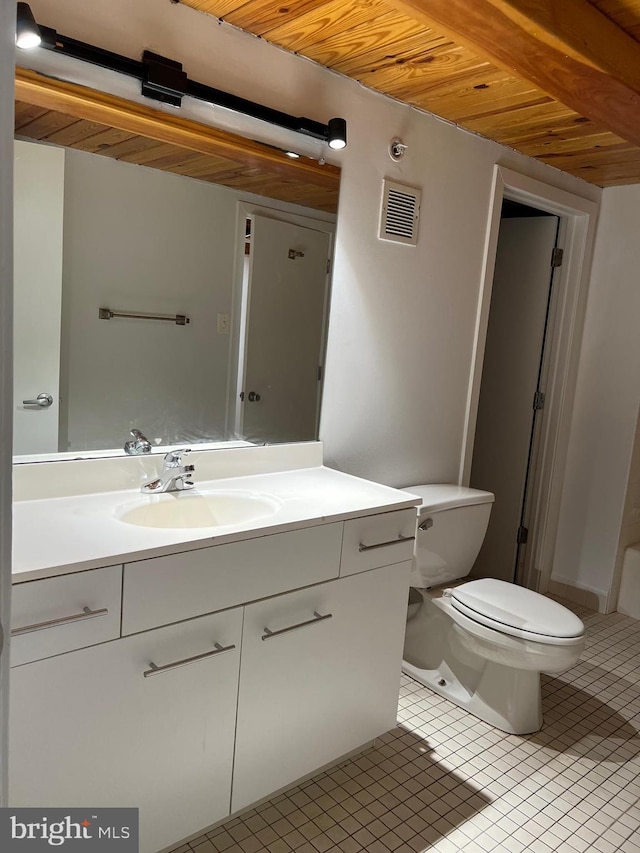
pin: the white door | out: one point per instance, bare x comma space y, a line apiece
38, 212
510, 378
284, 331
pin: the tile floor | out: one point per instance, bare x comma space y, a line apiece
443, 781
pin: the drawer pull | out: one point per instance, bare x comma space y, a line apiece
316, 618
363, 547
87, 613
155, 670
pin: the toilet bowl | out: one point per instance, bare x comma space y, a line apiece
483, 643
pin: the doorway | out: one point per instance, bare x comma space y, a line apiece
576, 228
511, 402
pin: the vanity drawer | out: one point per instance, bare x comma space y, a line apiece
378, 540
169, 589
56, 615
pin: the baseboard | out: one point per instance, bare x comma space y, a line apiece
584, 597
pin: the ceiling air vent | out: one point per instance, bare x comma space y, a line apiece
400, 213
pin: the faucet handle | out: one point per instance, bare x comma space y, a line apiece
138, 444
173, 459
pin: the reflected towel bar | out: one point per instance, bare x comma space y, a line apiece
178, 319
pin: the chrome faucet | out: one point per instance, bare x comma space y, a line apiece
175, 476
138, 445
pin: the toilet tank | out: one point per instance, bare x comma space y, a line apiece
454, 522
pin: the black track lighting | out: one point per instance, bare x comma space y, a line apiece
27, 31
164, 80
337, 133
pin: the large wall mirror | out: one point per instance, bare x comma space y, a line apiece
170, 278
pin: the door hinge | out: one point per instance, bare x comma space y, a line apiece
328, 265
556, 257
523, 535
538, 401
319, 373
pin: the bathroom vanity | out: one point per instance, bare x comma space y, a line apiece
192, 672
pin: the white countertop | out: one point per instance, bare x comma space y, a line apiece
58, 535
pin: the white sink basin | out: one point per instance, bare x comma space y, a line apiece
198, 509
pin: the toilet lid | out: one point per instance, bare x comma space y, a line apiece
516, 611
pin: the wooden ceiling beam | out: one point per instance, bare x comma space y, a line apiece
568, 48
105, 109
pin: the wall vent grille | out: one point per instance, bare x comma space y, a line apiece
400, 213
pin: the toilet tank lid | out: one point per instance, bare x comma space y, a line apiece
445, 496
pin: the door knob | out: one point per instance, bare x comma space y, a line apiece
42, 401
253, 397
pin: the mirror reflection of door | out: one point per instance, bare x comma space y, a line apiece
38, 216
285, 329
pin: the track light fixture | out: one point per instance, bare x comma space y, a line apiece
164, 80
27, 31
337, 133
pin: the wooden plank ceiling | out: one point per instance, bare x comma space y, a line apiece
558, 80
75, 117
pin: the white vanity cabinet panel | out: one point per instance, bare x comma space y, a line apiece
59, 614
168, 589
88, 729
310, 695
378, 540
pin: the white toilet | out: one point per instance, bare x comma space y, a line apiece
482, 644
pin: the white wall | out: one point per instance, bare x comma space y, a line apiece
606, 403
625, 595
141, 240
403, 319
7, 37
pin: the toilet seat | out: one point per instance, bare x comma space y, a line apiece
516, 611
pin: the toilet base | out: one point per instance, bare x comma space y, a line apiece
504, 697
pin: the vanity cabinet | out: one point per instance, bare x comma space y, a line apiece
320, 675
89, 729
237, 670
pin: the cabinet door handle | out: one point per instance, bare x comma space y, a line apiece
156, 670
87, 613
317, 617
363, 547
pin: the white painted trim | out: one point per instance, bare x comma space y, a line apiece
482, 322
577, 229
7, 49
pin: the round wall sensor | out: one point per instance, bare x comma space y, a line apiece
397, 149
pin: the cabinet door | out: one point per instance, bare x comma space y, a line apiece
313, 693
89, 729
